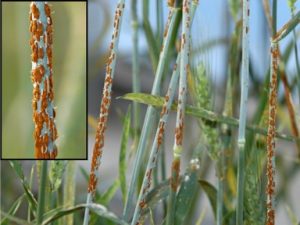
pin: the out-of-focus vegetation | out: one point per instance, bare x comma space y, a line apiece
69, 66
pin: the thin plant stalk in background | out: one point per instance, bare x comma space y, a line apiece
243, 114
45, 132
42, 188
105, 104
177, 149
136, 86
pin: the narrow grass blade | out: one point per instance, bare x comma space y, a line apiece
136, 82
42, 190
211, 193
109, 193
201, 217
13, 209
30, 186
14, 219
16, 165
98, 209
287, 28
123, 151
157, 194
187, 192
69, 190
292, 215
152, 46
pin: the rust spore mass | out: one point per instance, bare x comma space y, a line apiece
42, 96
175, 177
270, 189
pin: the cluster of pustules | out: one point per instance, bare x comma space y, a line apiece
45, 132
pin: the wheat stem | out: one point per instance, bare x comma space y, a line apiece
243, 113
136, 83
177, 149
45, 132
105, 105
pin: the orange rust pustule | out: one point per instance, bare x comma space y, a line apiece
171, 3
160, 134
270, 189
47, 10
35, 11
168, 24
179, 133
175, 176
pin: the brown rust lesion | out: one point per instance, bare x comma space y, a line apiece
179, 130
175, 174
171, 3
161, 131
185, 5
270, 189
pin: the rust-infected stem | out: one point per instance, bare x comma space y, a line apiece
271, 135
105, 105
137, 220
45, 132
177, 149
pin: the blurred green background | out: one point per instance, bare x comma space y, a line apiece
69, 70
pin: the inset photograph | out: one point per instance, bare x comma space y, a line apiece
44, 80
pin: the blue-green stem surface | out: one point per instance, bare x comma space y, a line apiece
243, 114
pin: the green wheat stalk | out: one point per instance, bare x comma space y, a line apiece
135, 68
243, 114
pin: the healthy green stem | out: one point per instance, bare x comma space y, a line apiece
136, 83
152, 45
159, 21
42, 191
243, 114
